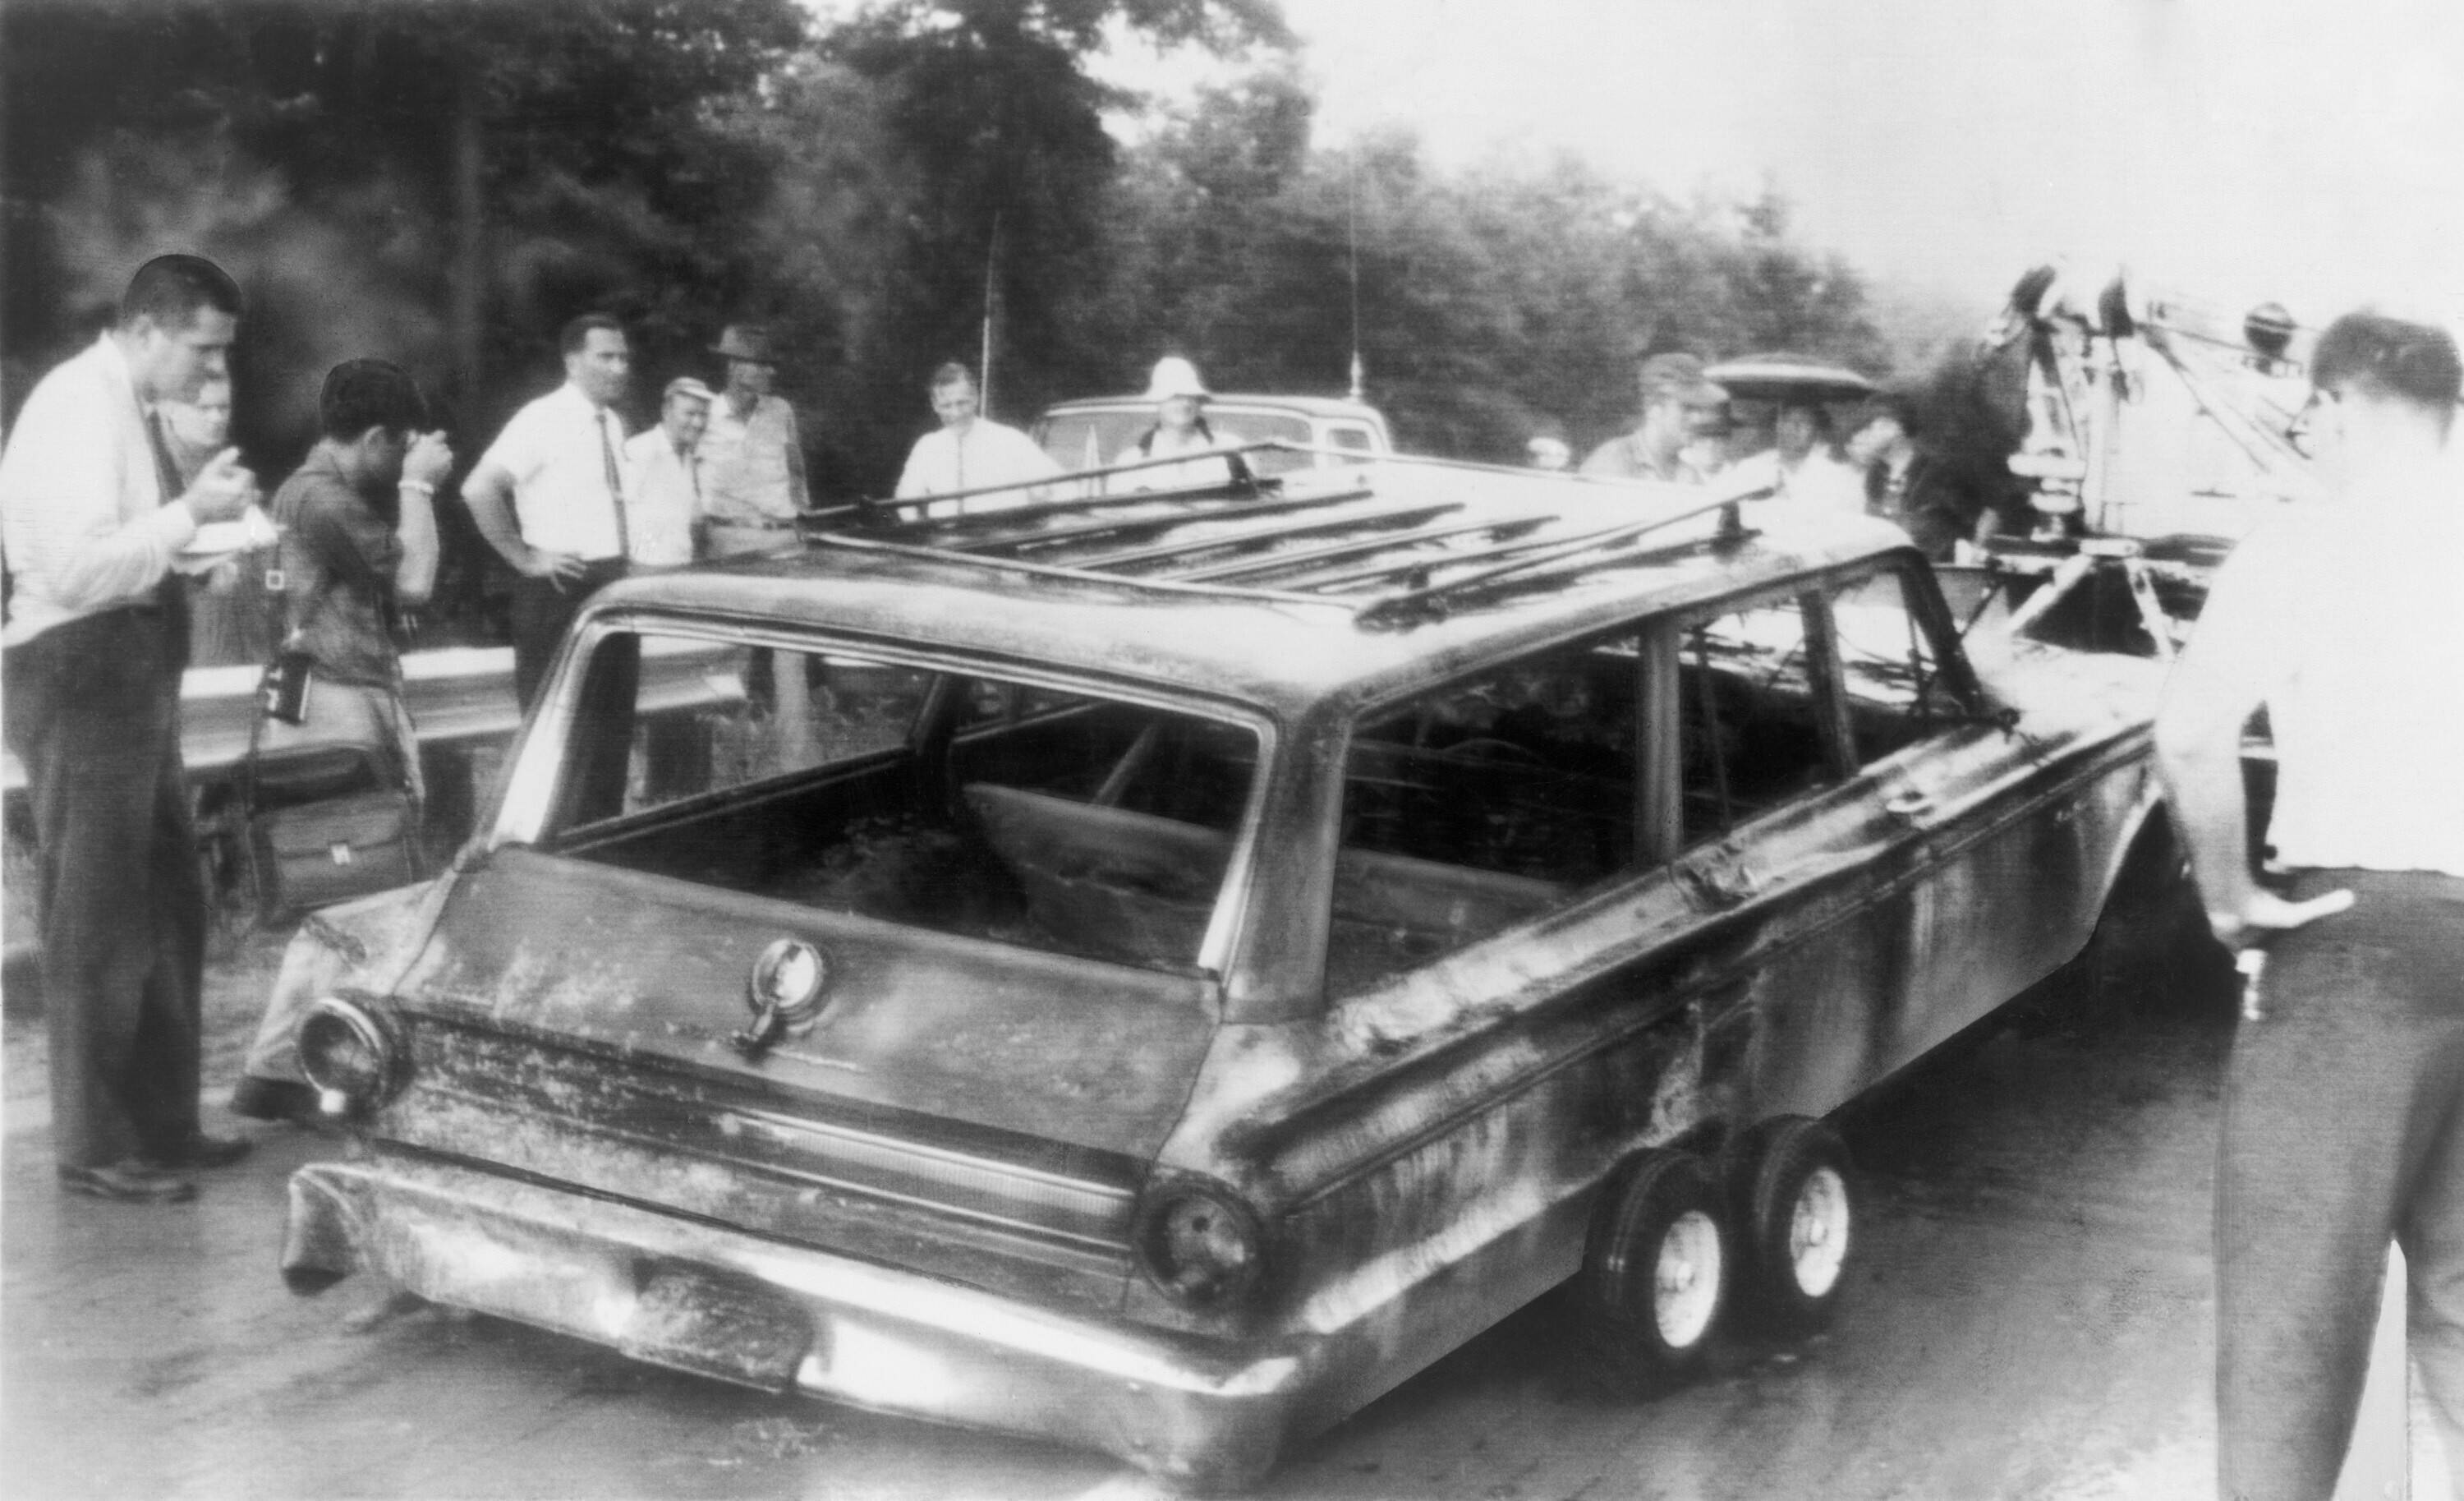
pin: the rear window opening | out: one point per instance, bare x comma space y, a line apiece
965, 803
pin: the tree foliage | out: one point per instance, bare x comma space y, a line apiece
306, 145
444, 182
999, 131
1486, 301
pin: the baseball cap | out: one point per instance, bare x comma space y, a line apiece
1680, 378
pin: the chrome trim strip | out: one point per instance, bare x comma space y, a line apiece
1093, 1203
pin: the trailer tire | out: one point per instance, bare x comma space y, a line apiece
1793, 1195
1656, 1272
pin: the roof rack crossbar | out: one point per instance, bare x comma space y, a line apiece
1355, 457
1313, 525
1390, 608
1032, 511
878, 507
1022, 544
873, 506
1313, 559
1225, 591
1404, 567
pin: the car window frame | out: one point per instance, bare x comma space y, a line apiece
532, 785
1659, 844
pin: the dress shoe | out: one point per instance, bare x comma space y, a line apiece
203, 1151
129, 1181
274, 1099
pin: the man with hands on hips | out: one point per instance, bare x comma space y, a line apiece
549, 495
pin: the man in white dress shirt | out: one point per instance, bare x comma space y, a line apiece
2343, 1097
971, 452
664, 509
548, 495
93, 516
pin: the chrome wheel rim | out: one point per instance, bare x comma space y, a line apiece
1685, 1280
1818, 1232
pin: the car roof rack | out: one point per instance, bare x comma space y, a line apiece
1313, 537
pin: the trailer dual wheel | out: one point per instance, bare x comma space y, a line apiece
1792, 1195
1656, 1270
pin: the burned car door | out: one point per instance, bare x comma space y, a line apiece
1637, 891
1978, 851
2014, 812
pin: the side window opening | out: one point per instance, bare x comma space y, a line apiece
1898, 691
1483, 805
1754, 713
1350, 437
1070, 823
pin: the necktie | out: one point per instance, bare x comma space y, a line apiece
171, 595
166, 470
615, 482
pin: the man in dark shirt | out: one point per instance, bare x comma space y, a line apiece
348, 572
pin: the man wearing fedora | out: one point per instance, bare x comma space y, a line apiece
752, 460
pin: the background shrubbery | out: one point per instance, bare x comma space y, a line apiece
444, 182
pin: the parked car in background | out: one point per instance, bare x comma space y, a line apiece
1210, 953
1099, 430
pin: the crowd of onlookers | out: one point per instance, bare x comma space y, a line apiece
1690, 428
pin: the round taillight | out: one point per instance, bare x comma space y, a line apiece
351, 1054
788, 979
1199, 1244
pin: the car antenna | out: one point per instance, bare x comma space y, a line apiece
992, 290
1352, 195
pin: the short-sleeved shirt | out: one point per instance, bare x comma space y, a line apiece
1823, 483
745, 473
662, 500
559, 451
339, 557
2342, 619
1624, 458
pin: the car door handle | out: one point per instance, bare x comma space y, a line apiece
1907, 805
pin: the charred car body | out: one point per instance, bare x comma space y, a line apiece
1216, 951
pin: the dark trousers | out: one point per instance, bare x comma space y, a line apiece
542, 608
93, 712
2343, 1127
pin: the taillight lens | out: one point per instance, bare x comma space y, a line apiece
353, 1054
1200, 1243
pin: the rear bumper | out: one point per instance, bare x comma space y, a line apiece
706, 1299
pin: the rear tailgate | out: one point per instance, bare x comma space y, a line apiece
964, 1105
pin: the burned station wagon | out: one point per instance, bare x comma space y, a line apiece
1209, 953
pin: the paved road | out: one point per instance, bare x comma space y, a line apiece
2031, 1318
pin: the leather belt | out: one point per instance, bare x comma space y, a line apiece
764, 525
